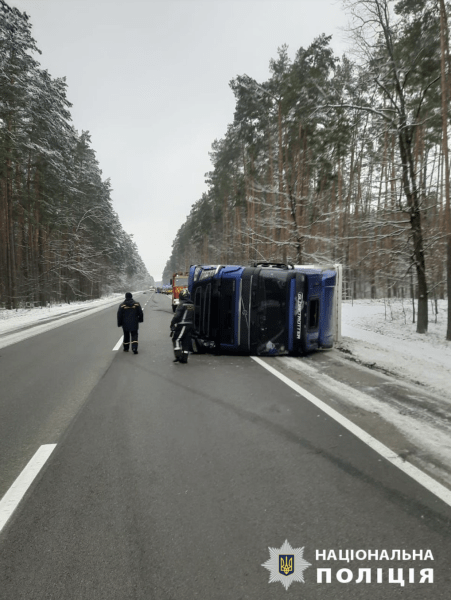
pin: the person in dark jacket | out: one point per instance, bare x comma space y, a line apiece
182, 327
129, 315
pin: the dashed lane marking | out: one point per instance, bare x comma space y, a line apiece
118, 345
426, 481
16, 492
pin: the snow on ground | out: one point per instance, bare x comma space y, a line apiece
381, 334
12, 319
20, 324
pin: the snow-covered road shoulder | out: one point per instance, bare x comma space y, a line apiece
16, 326
382, 336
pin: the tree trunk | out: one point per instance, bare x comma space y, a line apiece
446, 161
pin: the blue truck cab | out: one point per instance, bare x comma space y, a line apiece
265, 309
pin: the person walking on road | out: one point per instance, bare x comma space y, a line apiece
182, 326
129, 315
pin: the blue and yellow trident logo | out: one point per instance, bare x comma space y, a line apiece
286, 564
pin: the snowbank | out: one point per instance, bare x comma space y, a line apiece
382, 335
20, 324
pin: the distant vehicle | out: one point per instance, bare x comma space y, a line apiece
164, 289
179, 282
266, 309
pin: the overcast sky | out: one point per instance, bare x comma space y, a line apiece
149, 80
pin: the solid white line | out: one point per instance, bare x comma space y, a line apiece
16, 492
422, 478
118, 345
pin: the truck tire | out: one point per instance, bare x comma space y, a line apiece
173, 308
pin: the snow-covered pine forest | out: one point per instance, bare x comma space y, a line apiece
60, 238
340, 159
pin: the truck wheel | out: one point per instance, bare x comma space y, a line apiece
173, 308
184, 357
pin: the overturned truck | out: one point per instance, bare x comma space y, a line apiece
265, 309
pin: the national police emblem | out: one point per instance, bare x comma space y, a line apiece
286, 564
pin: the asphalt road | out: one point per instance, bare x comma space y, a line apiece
171, 481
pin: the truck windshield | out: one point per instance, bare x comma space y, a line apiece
181, 281
272, 310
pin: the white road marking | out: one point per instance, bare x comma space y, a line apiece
423, 479
16, 492
118, 345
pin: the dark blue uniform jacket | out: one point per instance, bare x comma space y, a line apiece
129, 315
184, 315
